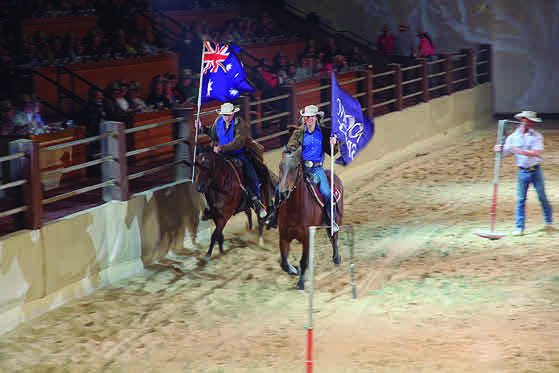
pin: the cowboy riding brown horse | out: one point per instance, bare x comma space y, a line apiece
232, 175
299, 209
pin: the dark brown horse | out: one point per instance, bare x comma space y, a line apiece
298, 211
221, 184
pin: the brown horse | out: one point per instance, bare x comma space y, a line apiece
298, 211
222, 186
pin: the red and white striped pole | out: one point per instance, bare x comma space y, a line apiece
310, 289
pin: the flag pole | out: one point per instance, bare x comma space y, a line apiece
198, 111
332, 159
331, 188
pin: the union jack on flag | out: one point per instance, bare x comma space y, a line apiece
214, 57
223, 74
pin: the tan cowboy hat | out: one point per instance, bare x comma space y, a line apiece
530, 115
227, 109
311, 111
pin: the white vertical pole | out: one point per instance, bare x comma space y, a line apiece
310, 289
198, 111
331, 189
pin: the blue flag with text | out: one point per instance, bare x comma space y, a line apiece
349, 125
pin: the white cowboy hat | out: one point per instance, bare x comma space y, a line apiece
227, 109
530, 115
311, 111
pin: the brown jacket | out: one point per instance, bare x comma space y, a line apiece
242, 139
254, 152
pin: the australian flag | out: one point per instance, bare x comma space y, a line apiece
223, 75
353, 129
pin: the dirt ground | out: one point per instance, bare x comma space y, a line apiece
432, 296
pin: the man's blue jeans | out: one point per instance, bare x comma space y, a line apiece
319, 177
251, 178
526, 177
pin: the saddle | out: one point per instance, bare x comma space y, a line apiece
313, 188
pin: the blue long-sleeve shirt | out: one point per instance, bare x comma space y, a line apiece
312, 145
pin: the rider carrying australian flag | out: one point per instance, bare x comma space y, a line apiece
231, 139
312, 139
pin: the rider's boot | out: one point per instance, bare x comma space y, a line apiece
258, 207
272, 218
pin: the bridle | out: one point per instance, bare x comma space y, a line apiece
289, 158
211, 168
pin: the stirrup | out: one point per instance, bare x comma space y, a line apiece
272, 219
259, 208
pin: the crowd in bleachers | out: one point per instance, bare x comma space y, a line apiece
117, 36
98, 44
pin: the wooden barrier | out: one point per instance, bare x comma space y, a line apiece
101, 73
60, 158
78, 25
153, 136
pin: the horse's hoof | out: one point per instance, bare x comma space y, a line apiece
290, 270
206, 258
261, 241
337, 260
301, 285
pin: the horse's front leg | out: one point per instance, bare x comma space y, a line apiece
217, 236
260, 232
335, 253
284, 251
248, 213
304, 263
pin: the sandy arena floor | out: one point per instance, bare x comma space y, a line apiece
432, 296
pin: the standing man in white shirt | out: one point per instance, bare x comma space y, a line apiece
527, 146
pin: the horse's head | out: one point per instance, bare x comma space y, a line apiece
204, 171
289, 170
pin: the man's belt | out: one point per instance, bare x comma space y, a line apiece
311, 164
530, 169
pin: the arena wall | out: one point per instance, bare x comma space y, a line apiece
69, 258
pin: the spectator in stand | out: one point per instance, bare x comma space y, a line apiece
186, 90
95, 111
93, 115
385, 42
404, 49
150, 44
267, 80
425, 48
29, 120
137, 104
170, 88
7, 115
304, 70
404, 45
116, 106
156, 97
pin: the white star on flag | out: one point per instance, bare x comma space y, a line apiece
228, 67
233, 92
210, 84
